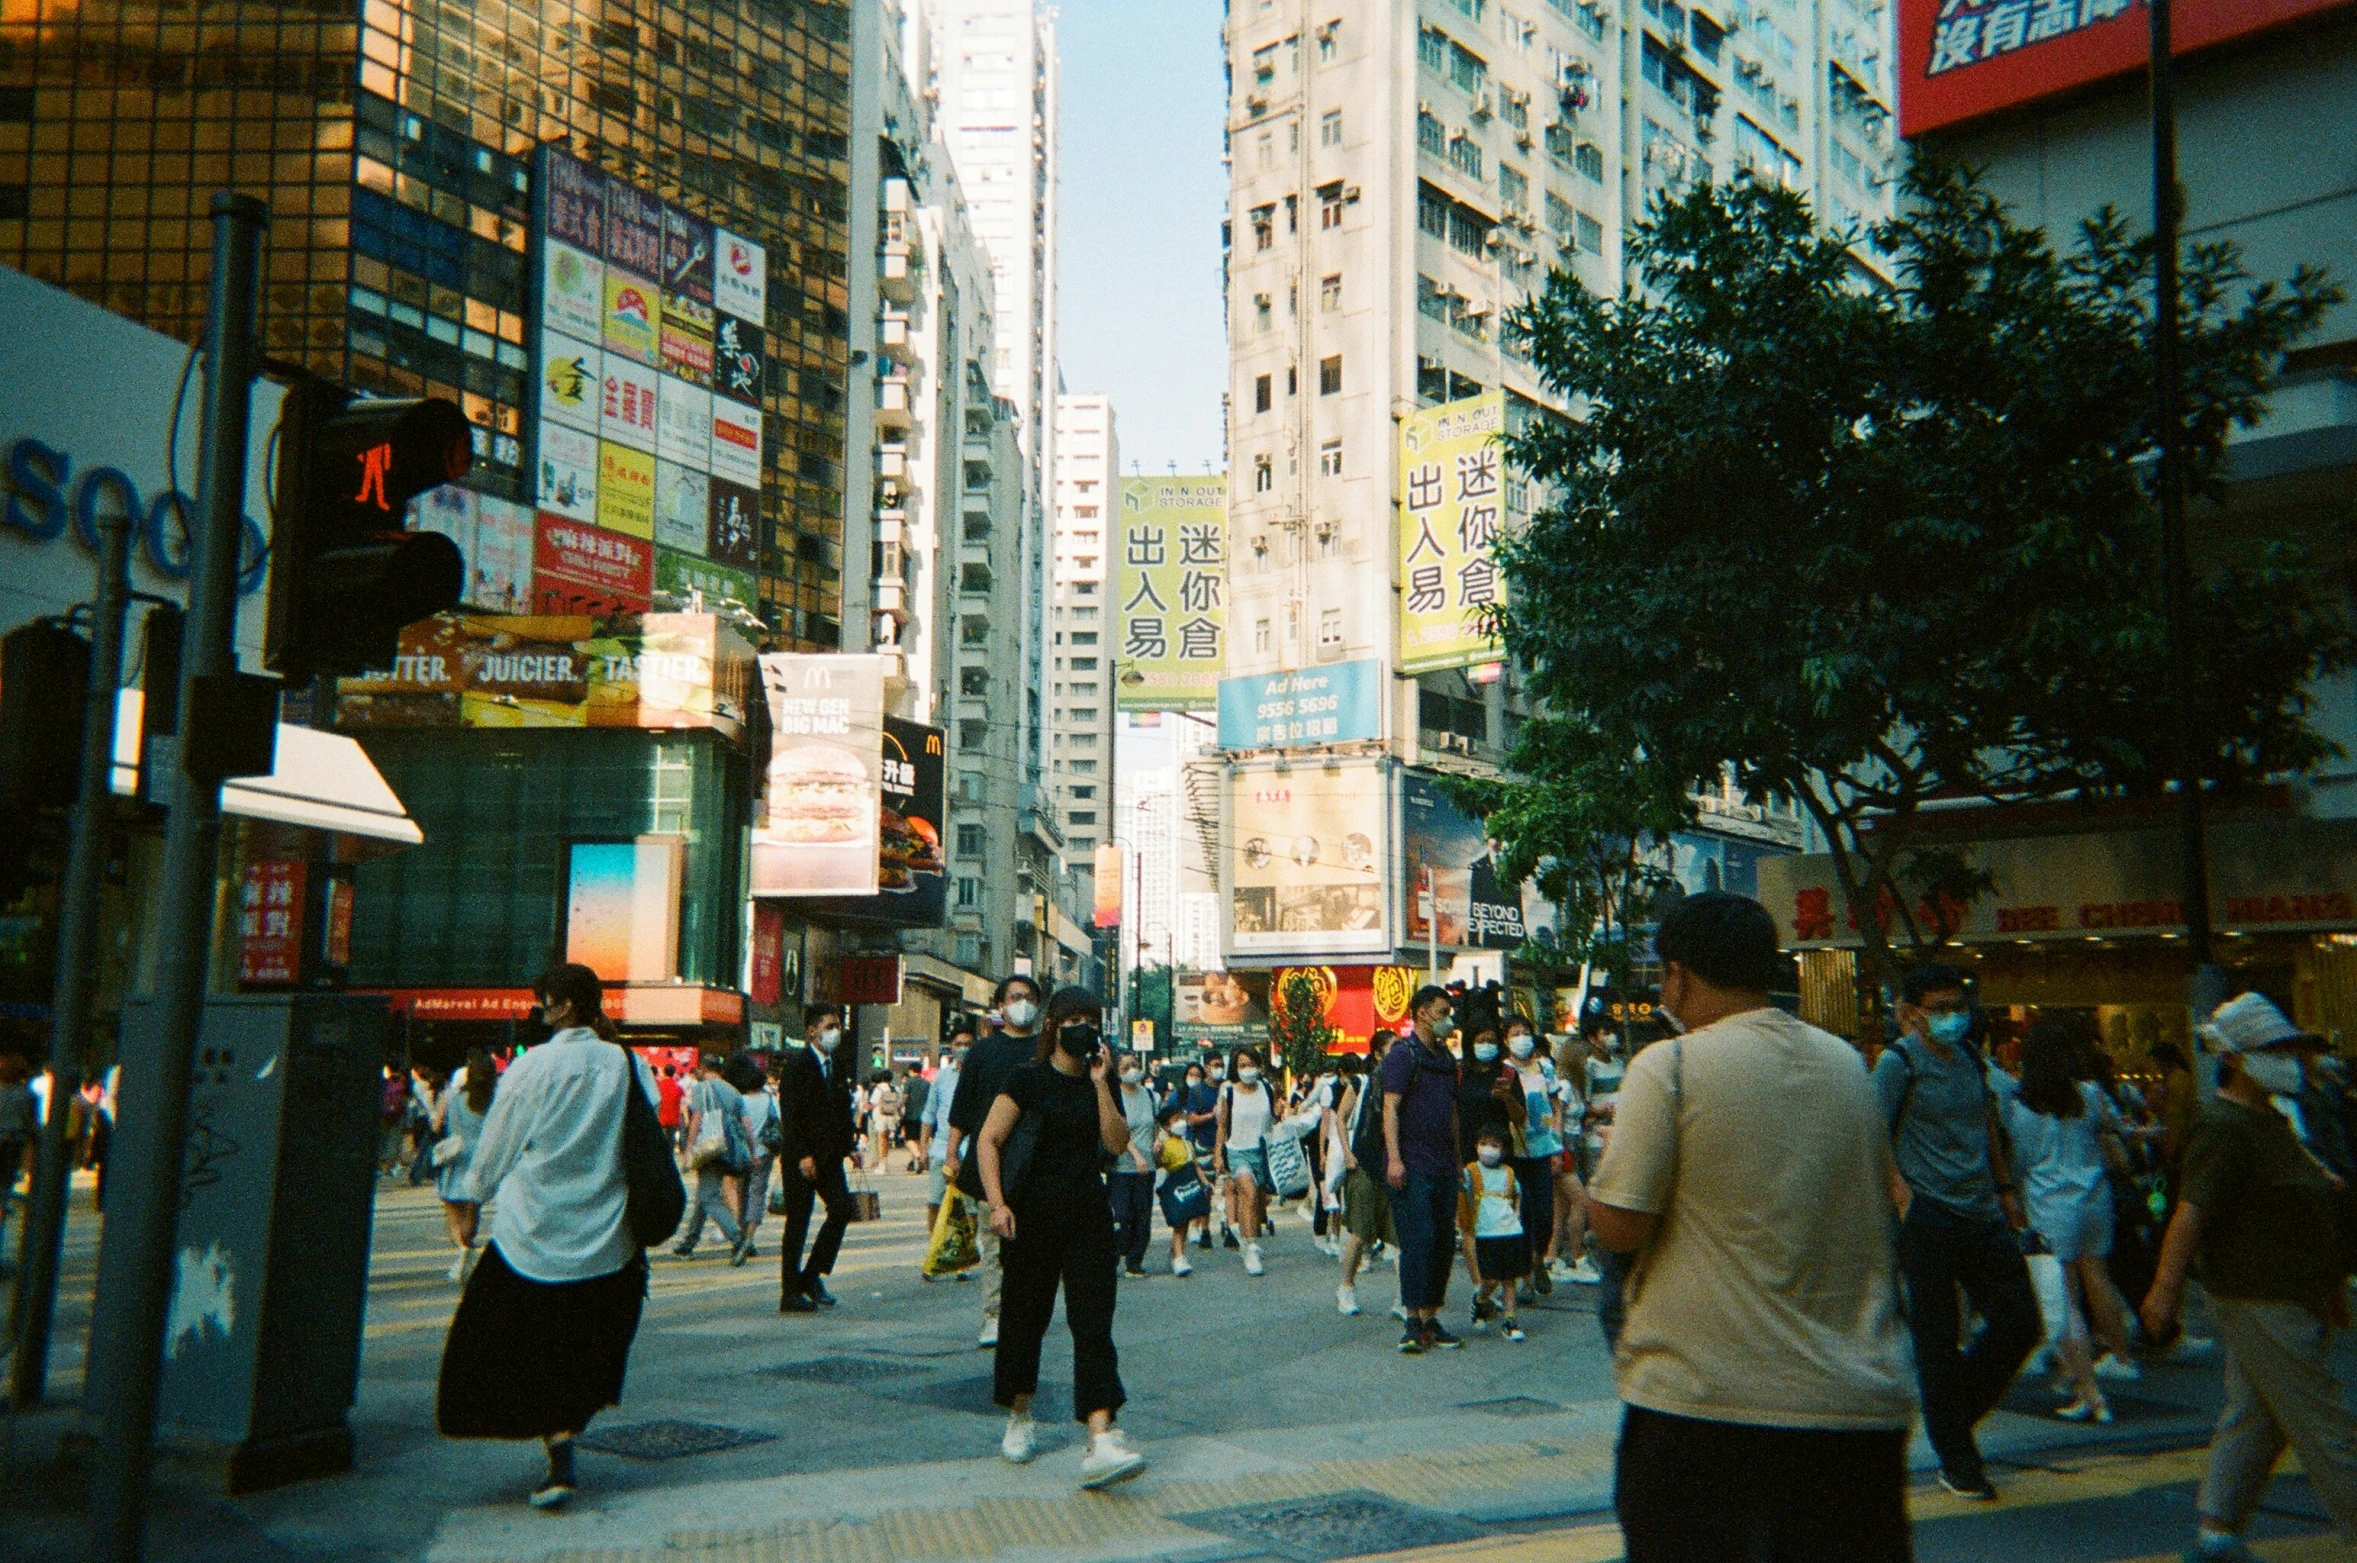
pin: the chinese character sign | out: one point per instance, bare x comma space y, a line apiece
270, 923
1452, 504
1171, 593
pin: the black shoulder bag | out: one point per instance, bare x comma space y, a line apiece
657, 1198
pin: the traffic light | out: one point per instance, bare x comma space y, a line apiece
44, 673
345, 575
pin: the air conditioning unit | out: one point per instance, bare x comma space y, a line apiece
1522, 138
1350, 195
1483, 105
1493, 240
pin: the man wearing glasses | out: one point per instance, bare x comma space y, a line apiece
1958, 1211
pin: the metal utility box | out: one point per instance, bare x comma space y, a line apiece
270, 1284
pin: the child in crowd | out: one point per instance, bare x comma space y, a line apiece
1496, 1252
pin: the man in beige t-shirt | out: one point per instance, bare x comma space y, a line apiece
1764, 1343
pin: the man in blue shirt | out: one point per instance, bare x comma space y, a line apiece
934, 1124
1958, 1215
1419, 1078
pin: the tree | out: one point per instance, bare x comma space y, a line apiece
1865, 546
1299, 1037
1585, 817
1150, 999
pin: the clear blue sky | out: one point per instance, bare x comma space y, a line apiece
1143, 194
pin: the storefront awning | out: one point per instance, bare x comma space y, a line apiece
323, 781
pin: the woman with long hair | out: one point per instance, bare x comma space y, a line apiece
458, 1127
1041, 1155
543, 1331
2062, 1128
1248, 1112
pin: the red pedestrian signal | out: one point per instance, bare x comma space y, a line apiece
345, 574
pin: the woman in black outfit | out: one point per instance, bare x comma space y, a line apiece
1043, 1151
1489, 1095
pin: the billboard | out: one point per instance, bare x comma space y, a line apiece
816, 832
912, 890
1959, 59
1339, 703
1304, 872
622, 907
1220, 1008
1472, 909
638, 430
1452, 484
1171, 591
663, 670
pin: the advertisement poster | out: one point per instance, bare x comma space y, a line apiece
625, 490
1305, 869
1452, 465
1473, 910
686, 575
912, 887
1171, 593
683, 508
740, 276
1341, 702
736, 359
572, 291
683, 424
1109, 882
634, 230
580, 569
736, 443
622, 907
573, 197
499, 567
1220, 1009
633, 318
687, 256
568, 471
687, 339
270, 922
654, 670
572, 375
626, 414
1959, 59
734, 507
815, 832
1353, 1002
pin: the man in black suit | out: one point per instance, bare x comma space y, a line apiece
988, 1063
815, 1125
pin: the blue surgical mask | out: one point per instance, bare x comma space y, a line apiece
1485, 1051
1948, 1028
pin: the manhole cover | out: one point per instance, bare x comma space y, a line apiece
843, 1370
668, 1440
1512, 1405
1339, 1525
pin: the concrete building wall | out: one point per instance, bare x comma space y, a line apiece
1081, 689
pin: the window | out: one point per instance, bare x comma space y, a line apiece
969, 892
1330, 205
1260, 634
1431, 135
1559, 143
1591, 234
1330, 630
1329, 40
1431, 303
1264, 312
1268, 150
1264, 475
973, 840
1292, 380
1432, 211
1561, 220
1292, 215
1330, 459
1264, 65
1260, 394
1469, 71
1432, 50
1084, 637
1264, 226
1292, 135
1330, 293
1084, 816
1083, 740
1467, 232
1465, 153
1514, 109
1470, 8
1588, 158
969, 948
1513, 185
1330, 376
1082, 767
1330, 128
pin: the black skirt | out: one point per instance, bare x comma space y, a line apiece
529, 1358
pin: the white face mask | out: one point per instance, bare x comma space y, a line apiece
1021, 1013
1217, 1075
1490, 1155
1444, 1028
1247, 1075
1520, 1045
2277, 1074
1132, 1076
828, 1040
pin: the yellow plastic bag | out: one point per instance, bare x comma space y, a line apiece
953, 1247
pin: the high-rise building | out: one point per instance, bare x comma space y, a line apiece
994, 85
394, 145
1080, 692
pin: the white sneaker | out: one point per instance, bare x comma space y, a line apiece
1022, 1440
1558, 1270
1109, 1460
1399, 1311
458, 1266
1179, 1266
1346, 1300
2119, 1370
1585, 1273
989, 1335
1252, 1264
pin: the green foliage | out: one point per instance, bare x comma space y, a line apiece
1298, 1034
1150, 999
1869, 545
1583, 816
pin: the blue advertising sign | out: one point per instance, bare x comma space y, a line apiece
1329, 705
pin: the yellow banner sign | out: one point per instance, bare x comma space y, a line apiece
1171, 591
1452, 475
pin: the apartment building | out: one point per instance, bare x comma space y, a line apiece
1080, 691
993, 86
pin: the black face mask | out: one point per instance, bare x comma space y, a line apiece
1078, 1040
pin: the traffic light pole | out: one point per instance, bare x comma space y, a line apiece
136, 1260
77, 938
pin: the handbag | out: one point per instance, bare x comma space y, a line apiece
1014, 1162
711, 1144
655, 1197
1185, 1196
447, 1150
1289, 1175
866, 1203
953, 1247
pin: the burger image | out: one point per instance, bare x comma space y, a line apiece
819, 796
909, 847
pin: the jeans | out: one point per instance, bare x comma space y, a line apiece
1690, 1491
1425, 1214
795, 1274
1535, 1177
1940, 1250
1060, 1236
2280, 1390
711, 1199
1131, 1197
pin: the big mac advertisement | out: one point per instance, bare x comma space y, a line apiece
816, 832
912, 887
1960, 59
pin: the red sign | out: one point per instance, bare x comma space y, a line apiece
578, 568
270, 922
459, 1003
1358, 1000
862, 979
1960, 59
339, 922
769, 952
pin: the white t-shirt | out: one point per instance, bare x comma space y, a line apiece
1769, 1294
1604, 1079
551, 1153
1248, 1115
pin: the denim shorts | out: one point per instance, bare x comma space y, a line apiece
1252, 1162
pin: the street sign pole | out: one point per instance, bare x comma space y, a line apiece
77, 939
136, 1259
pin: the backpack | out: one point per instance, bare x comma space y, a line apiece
1366, 1130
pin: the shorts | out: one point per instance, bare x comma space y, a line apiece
1502, 1258
1250, 1162
1366, 1207
2080, 1229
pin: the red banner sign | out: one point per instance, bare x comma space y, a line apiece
579, 568
769, 952
270, 922
862, 979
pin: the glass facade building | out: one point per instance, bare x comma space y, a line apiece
393, 142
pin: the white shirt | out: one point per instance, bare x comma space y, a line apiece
551, 1151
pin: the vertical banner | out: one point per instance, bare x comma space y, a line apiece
1111, 880
765, 975
816, 832
1171, 592
1452, 477
270, 922
912, 885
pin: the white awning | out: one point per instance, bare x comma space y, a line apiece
324, 781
